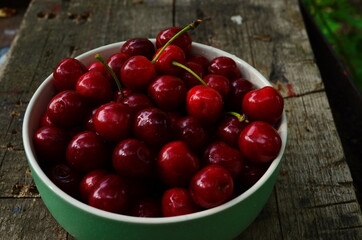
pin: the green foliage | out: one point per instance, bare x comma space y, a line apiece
340, 21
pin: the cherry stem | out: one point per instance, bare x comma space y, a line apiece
99, 57
177, 64
191, 26
240, 117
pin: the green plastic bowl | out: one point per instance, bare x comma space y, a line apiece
85, 222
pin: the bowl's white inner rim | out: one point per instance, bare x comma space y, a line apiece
28, 146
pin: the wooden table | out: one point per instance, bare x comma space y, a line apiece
314, 197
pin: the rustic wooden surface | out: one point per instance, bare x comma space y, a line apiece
314, 197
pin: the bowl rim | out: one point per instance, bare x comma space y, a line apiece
27, 142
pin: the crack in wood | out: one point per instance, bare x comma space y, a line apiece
332, 204
305, 94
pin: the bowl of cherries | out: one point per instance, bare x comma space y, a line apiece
159, 138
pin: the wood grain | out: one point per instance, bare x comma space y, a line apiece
314, 196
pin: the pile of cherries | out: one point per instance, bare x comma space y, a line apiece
157, 131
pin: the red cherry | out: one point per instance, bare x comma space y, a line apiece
238, 88
50, 144
95, 88
146, 207
251, 174
183, 41
190, 80
176, 202
137, 73
191, 131
218, 82
204, 103
66, 74
132, 158
168, 92
211, 186
164, 62
86, 152
66, 178
99, 67
137, 102
45, 121
115, 62
177, 164
89, 181
112, 121
263, 104
229, 130
259, 142
110, 193
224, 66
138, 46
199, 59
66, 109
222, 154
152, 126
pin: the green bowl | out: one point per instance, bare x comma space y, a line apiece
85, 222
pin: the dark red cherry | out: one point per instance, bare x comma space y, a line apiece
66, 74
176, 202
168, 92
137, 73
192, 132
112, 121
211, 186
199, 59
146, 207
65, 178
177, 164
87, 151
252, 173
132, 158
67, 109
259, 142
137, 102
152, 126
263, 104
229, 130
99, 67
218, 82
110, 193
224, 66
222, 154
118, 96
190, 80
164, 62
94, 88
183, 41
138, 46
116, 61
89, 181
50, 144
45, 121
204, 103
238, 88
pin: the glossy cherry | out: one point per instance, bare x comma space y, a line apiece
132, 158
229, 129
146, 207
211, 186
67, 109
137, 102
168, 92
170, 54
110, 193
184, 41
222, 154
190, 80
66, 74
137, 73
152, 126
263, 104
112, 121
218, 82
259, 142
224, 66
95, 88
116, 61
99, 67
204, 103
238, 88
177, 201
252, 173
89, 181
50, 144
138, 46
87, 151
177, 164
199, 59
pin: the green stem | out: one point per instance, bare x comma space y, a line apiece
190, 71
191, 26
99, 57
240, 117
